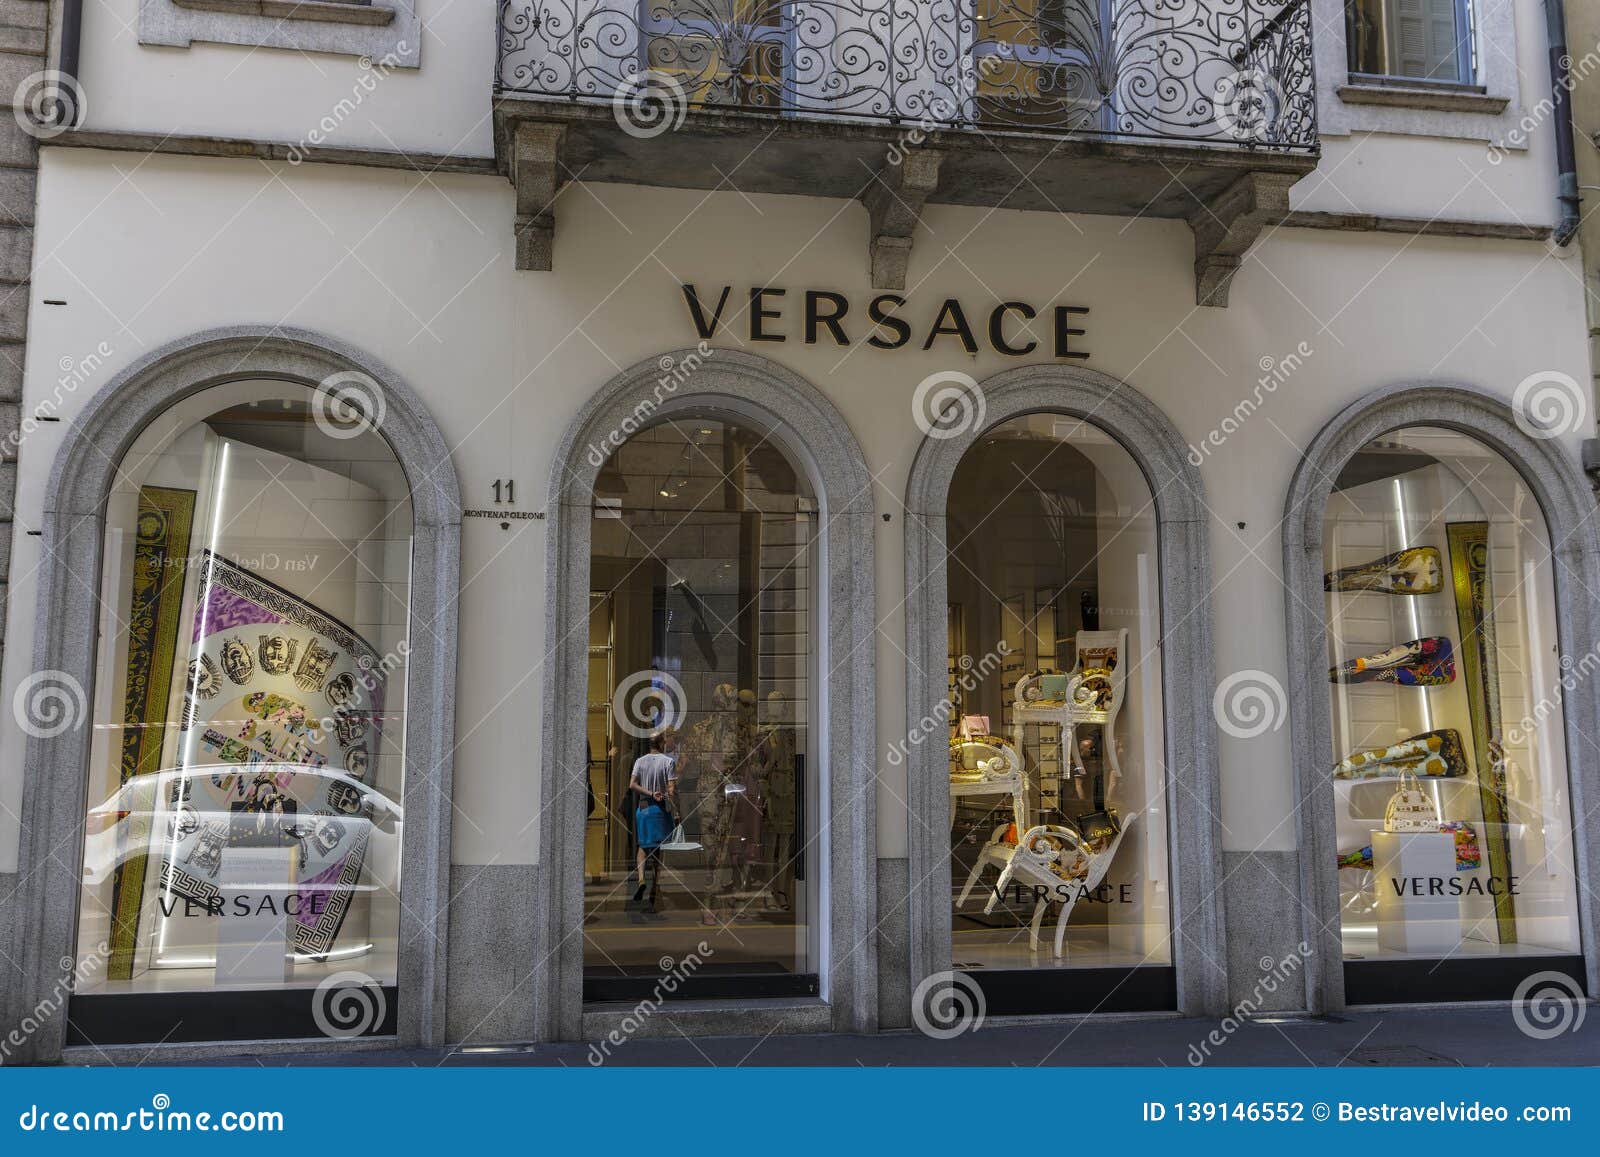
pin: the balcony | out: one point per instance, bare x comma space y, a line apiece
1203, 110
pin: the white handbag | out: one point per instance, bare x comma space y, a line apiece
1410, 808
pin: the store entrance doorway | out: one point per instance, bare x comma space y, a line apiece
700, 674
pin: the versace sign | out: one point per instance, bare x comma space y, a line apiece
771, 314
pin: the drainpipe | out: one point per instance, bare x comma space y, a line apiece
1571, 219
67, 110
1555, 14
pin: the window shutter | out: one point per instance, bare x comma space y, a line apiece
1443, 47
1425, 39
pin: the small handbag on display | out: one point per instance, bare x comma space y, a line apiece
1053, 688
1100, 826
973, 726
1410, 808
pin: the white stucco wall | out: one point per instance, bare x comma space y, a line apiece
285, 95
420, 273
1445, 164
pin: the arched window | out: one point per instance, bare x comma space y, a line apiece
1057, 768
244, 816
1452, 812
1055, 513
702, 582
710, 519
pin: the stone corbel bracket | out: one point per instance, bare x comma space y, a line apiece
1227, 225
536, 175
894, 204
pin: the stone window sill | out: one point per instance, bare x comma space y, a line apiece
383, 30
326, 11
1436, 97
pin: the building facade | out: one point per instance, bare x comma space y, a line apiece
556, 520
1583, 29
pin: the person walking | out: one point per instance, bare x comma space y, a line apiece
655, 787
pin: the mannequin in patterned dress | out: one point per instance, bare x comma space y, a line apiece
777, 761
708, 749
748, 795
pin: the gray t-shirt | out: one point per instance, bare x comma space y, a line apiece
653, 771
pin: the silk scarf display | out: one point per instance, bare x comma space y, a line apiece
1436, 754
161, 547
1468, 857
1425, 662
1469, 572
277, 687
1414, 571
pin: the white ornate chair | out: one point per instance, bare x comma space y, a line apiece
1092, 692
988, 765
1049, 856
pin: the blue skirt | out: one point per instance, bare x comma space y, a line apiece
650, 828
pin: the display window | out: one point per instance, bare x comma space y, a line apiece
1452, 809
241, 847
1059, 859
699, 859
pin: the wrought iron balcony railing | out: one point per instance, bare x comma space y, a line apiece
1225, 72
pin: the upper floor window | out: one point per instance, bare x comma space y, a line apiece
1428, 40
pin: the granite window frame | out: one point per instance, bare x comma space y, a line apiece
1567, 503
55, 783
298, 25
730, 385
1490, 109
1194, 835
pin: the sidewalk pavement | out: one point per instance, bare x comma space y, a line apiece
1475, 1036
